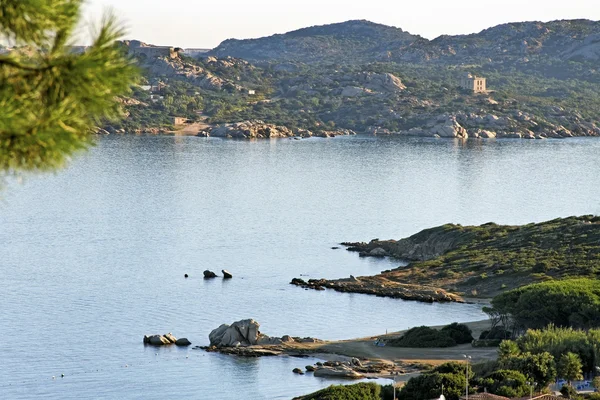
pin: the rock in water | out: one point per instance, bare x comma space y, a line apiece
337, 372
182, 342
157, 340
378, 252
298, 371
226, 274
170, 337
209, 274
161, 340
244, 331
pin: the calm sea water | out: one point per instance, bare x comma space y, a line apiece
93, 257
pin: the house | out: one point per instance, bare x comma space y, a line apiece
475, 84
484, 396
158, 87
179, 120
146, 88
251, 92
489, 396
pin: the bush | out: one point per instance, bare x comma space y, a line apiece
565, 303
558, 341
423, 337
497, 332
508, 383
359, 391
568, 392
429, 384
459, 332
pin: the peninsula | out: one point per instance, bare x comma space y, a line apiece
452, 262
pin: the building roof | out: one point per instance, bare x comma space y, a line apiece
484, 396
545, 396
489, 396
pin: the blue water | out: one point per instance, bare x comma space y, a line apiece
93, 257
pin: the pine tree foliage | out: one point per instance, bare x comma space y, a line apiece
52, 97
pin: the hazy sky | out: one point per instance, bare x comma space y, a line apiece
198, 23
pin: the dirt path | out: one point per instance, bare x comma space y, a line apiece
191, 129
366, 348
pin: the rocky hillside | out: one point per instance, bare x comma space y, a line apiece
369, 78
351, 41
521, 42
360, 41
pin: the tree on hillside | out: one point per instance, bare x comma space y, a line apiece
429, 385
52, 97
570, 367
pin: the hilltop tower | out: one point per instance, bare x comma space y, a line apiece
475, 84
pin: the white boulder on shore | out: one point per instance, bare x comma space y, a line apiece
246, 333
337, 372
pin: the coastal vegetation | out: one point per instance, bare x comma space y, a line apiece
487, 260
51, 97
358, 391
424, 336
451, 376
563, 303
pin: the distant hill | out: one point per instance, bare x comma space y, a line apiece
364, 41
350, 41
543, 78
561, 40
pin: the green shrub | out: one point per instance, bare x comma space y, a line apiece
459, 332
508, 383
566, 303
498, 332
568, 392
559, 341
423, 337
359, 391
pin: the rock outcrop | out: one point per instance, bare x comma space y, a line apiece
445, 126
226, 274
342, 371
245, 333
251, 130
382, 288
240, 333
167, 339
209, 274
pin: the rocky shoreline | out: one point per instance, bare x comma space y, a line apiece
347, 359
461, 125
243, 339
373, 285
516, 125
